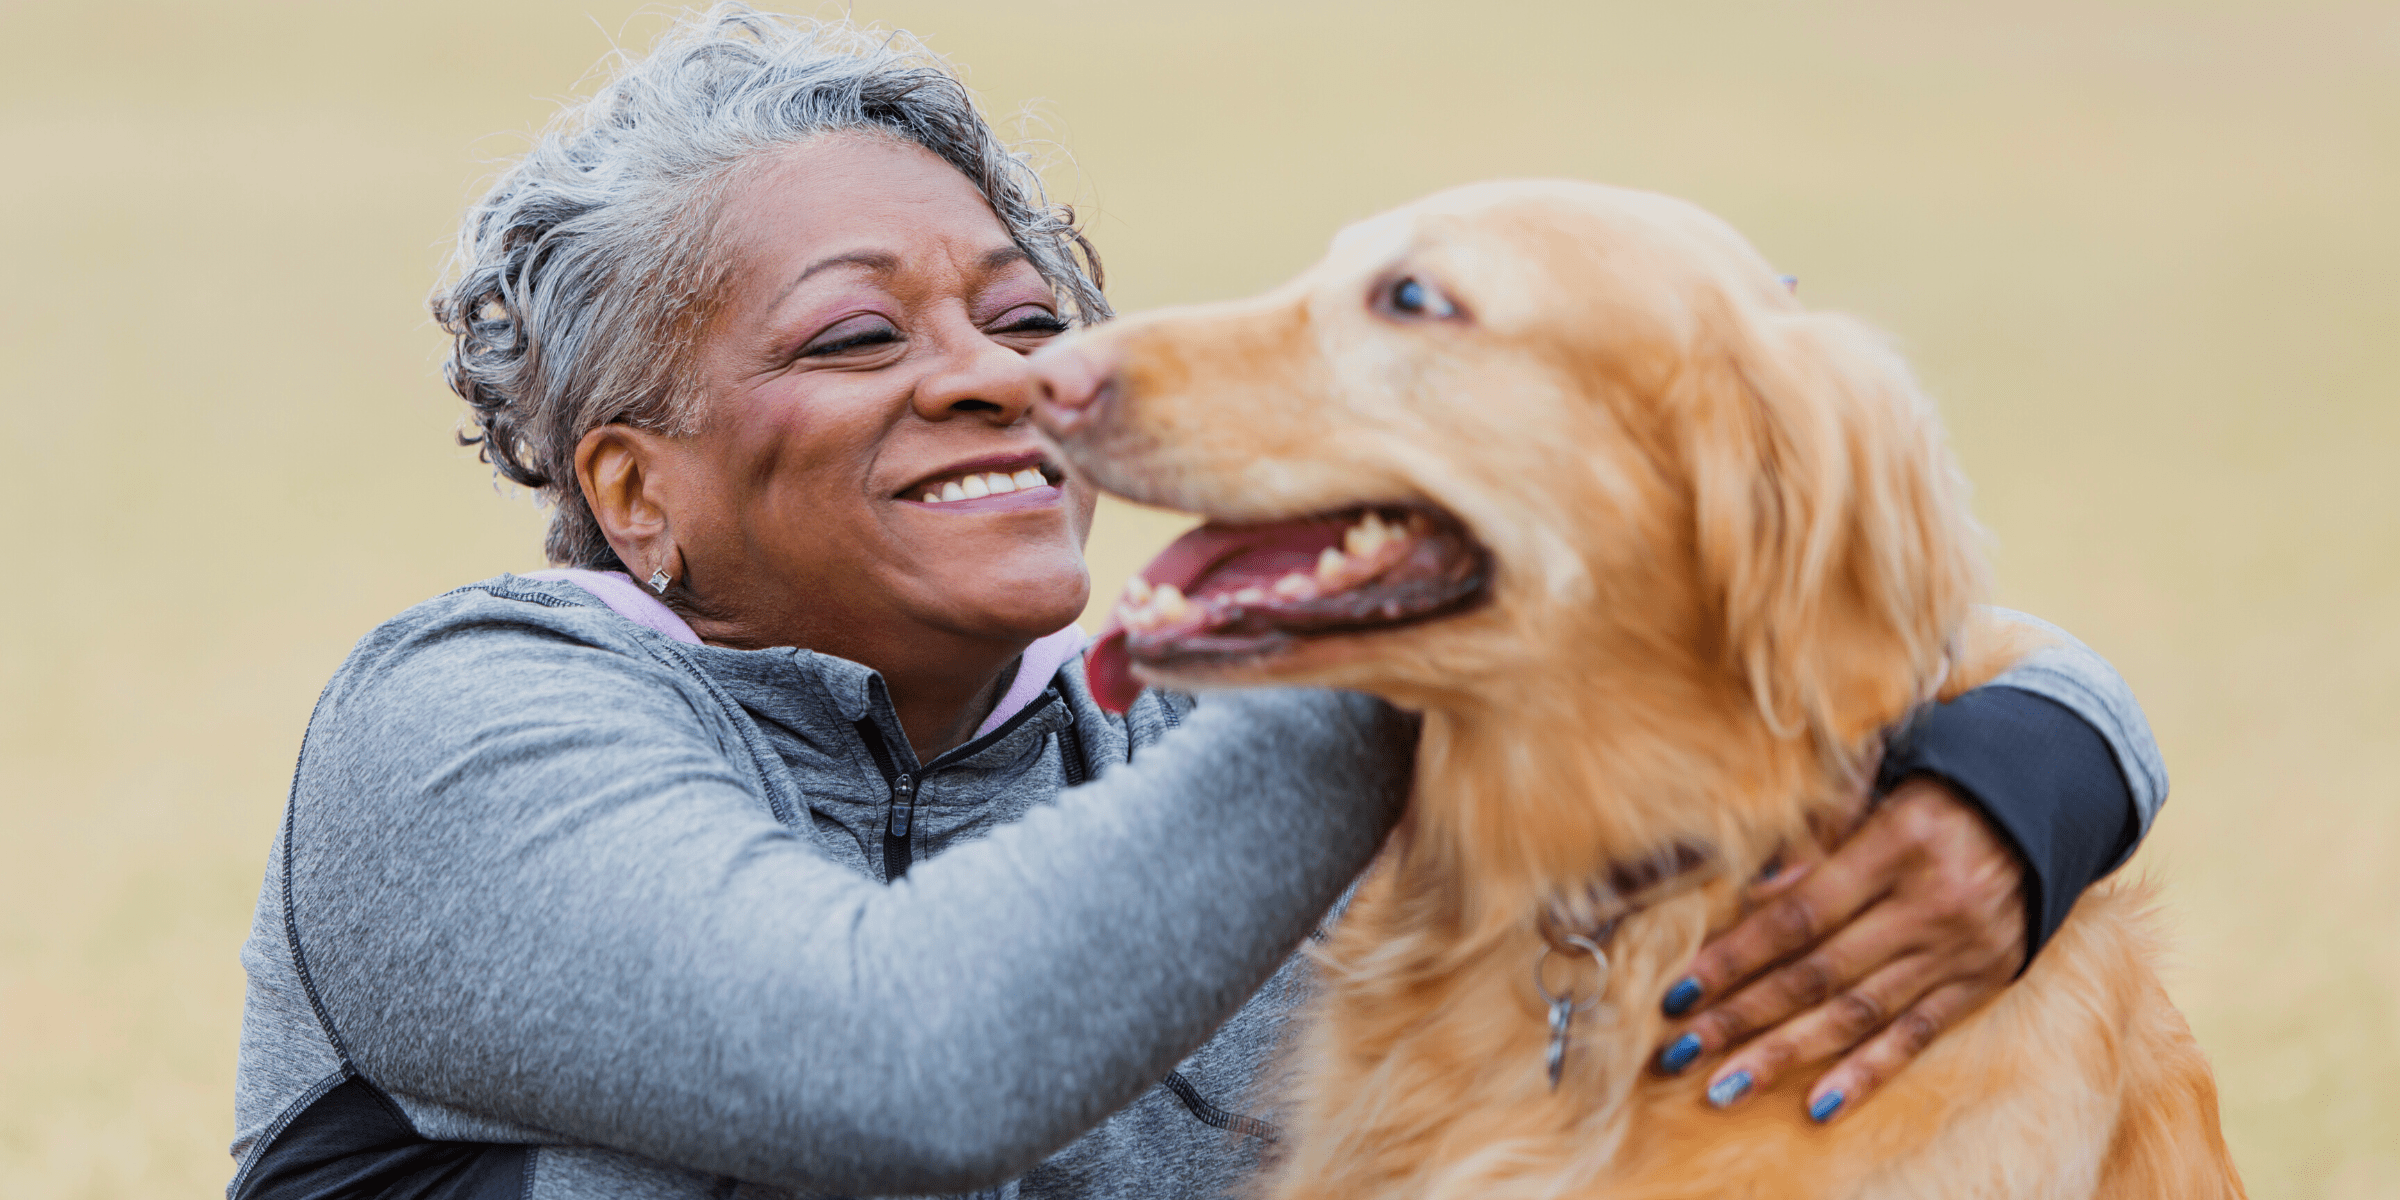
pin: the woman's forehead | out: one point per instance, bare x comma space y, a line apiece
858, 198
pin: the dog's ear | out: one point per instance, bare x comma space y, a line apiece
1831, 523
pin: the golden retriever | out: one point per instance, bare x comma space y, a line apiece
1658, 553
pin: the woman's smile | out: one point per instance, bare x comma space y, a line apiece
1002, 483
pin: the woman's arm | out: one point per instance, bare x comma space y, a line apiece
2001, 807
529, 882
2070, 674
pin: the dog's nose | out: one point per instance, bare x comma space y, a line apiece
1071, 385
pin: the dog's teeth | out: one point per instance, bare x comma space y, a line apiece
1137, 591
1028, 478
1366, 537
1167, 601
1330, 564
1250, 595
973, 487
952, 491
1140, 615
933, 497
997, 483
1294, 586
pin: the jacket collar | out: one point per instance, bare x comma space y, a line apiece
855, 691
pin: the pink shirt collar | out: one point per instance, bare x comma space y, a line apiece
627, 599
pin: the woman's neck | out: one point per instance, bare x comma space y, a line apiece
942, 684
942, 709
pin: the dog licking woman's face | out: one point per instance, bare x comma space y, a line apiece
861, 481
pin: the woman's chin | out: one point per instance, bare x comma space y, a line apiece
1021, 606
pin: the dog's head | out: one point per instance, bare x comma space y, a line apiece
1528, 432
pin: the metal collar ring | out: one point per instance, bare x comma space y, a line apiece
1586, 945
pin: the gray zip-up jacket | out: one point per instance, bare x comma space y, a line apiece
564, 907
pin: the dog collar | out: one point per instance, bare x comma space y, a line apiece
1584, 925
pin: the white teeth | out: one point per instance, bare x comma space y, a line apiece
1367, 536
990, 483
1147, 607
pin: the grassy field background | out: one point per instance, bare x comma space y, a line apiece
2142, 251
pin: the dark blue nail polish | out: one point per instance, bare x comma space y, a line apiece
1826, 1105
1729, 1089
1679, 1053
1681, 997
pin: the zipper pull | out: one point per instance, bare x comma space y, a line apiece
904, 804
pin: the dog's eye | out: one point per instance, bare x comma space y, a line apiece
1410, 296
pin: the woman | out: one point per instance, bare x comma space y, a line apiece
770, 872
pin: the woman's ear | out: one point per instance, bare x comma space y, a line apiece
1832, 524
622, 471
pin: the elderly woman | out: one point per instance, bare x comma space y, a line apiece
774, 844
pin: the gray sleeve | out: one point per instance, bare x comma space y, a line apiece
529, 883
2072, 675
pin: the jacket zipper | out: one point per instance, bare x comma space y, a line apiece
896, 852
901, 817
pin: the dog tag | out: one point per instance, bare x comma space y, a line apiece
1561, 1013
1563, 1007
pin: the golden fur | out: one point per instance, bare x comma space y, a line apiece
1729, 547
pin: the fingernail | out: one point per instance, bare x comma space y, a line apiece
1826, 1105
1729, 1089
1679, 1053
1681, 997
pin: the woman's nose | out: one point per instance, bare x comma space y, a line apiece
988, 380
1072, 385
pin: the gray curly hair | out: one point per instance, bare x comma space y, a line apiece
582, 278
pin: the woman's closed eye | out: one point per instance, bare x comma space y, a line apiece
849, 336
1028, 322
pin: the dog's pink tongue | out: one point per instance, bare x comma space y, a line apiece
1208, 550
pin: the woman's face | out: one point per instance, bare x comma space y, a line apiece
864, 389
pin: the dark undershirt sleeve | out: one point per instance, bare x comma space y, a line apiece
2042, 775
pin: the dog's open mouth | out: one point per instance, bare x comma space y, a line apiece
1226, 594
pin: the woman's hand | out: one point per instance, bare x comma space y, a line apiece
1917, 919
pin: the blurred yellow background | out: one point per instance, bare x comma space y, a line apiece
2141, 251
